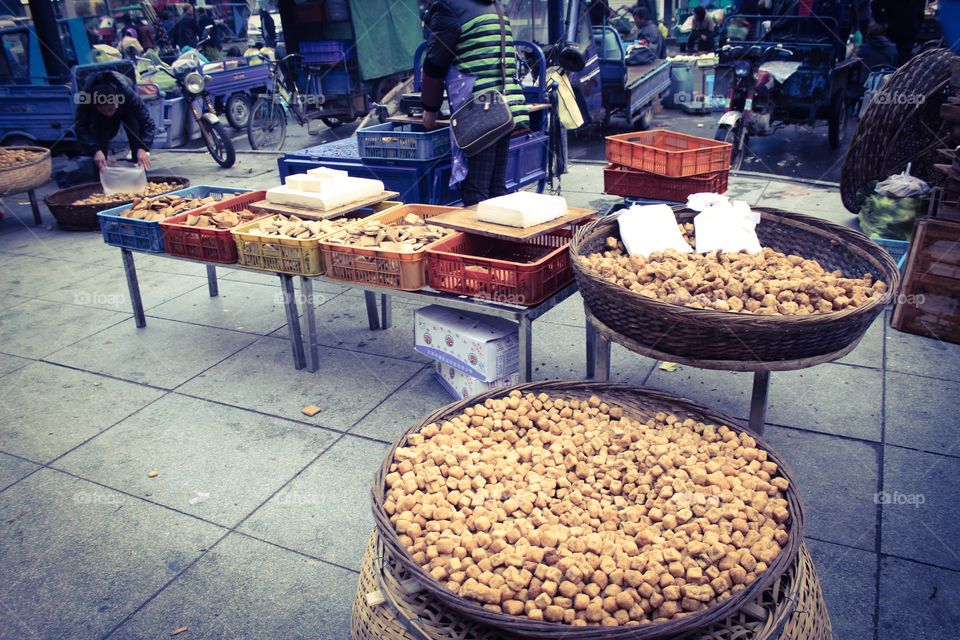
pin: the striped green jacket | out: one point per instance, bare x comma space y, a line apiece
478, 55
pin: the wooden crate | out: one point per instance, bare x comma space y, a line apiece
929, 301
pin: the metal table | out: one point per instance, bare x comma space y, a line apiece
600, 337
381, 319
286, 285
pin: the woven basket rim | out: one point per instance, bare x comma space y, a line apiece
44, 156
53, 198
612, 393
852, 240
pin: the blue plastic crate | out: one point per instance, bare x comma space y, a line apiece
145, 235
327, 51
336, 82
411, 180
898, 249
392, 141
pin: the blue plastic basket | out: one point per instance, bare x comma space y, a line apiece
392, 141
145, 235
327, 51
336, 82
898, 249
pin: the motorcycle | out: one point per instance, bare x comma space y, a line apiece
752, 98
188, 74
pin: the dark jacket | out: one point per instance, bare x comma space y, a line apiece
186, 31
95, 131
877, 52
902, 17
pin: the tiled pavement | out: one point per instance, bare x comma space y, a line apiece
255, 525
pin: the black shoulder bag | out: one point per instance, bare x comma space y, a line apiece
485, 118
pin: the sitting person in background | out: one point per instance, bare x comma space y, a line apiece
701, 36
877, 51
648, 33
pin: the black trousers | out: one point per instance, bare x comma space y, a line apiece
486, 173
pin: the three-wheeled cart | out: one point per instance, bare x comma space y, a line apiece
630, 90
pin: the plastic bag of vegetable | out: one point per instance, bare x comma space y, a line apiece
893, 206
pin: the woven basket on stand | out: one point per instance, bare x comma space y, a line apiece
903, 127
792, 608
83, 217
707, 335
28, 175
638, 403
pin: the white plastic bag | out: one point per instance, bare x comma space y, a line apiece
728, 227
700, 201
123, 178
646, 229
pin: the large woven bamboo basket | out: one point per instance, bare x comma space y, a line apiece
638, 403
903, 127
792, 608
702, 336
83, 217
28, 175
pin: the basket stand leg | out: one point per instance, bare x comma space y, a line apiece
37, 220
306, 287
526, 348
758, 402
598, 353
293, 320
386, 317
212, 281
373, 317
133, 286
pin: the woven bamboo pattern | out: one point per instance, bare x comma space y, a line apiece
638, 403
792, 608
707, 336
83, 217
904, 128
26, 176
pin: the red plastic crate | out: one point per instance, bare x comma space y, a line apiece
620, 181
667, 153
522, 273
209, 245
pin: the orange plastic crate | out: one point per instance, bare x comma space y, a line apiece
521, 273
620, 181
667, 153
209, 245
406, 271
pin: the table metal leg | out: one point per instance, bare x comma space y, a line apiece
526, 349
130, 268
372, 316
293, 320
758, 402
306, 286
386, 306
212, 281
37, 220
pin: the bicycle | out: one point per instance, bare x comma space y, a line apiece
267, 126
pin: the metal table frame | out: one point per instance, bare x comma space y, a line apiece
382, 319
598, 365
286, 285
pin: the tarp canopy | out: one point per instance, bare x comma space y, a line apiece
387, 35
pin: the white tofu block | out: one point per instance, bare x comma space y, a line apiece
338, 195
313, 184
326, 171
522, 209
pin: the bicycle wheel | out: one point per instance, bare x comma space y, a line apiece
267, 127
